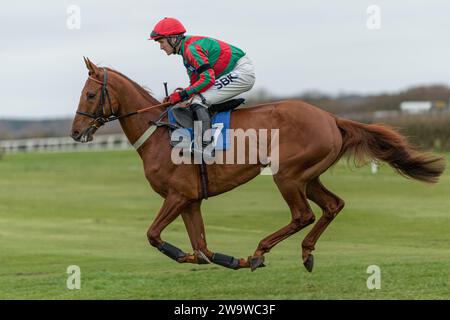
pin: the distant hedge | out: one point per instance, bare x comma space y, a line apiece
427, 131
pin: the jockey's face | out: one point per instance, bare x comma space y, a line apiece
164, 45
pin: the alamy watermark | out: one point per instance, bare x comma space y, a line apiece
74, 278
263, 147
373, 21
73, 21
374, 280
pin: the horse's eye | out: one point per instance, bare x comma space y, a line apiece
90, 95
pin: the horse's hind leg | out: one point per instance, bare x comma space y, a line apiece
302, 215
330, 205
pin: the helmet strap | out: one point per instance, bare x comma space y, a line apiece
175, 41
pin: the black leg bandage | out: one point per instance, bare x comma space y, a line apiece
225, 261
171, 251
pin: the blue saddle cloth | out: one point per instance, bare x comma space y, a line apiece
220, 121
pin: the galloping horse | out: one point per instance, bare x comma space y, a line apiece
310, 141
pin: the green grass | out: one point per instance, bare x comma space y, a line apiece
93, 210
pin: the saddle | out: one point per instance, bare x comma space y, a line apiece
181, 121
185, 118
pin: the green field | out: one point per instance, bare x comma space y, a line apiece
92, 209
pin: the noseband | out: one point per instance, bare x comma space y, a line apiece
99, 118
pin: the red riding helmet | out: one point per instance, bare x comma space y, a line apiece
167, 27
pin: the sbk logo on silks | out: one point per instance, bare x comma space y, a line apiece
225, 80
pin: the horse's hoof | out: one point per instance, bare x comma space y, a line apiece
309, 262
256, 262
202, 258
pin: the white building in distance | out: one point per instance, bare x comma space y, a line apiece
416, 107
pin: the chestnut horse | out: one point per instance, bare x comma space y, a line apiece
310, 141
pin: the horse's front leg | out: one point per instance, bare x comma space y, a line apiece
193, 221
195, 228
173, 205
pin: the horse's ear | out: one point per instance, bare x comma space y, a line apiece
86, 62
90, 66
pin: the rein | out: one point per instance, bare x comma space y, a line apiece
99, 118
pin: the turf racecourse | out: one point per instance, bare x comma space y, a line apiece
92, 209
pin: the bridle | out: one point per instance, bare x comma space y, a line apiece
99, 118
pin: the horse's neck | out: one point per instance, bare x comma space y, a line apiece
135, 125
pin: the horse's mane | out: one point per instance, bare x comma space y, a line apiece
146, 93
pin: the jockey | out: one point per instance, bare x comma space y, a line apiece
217, 70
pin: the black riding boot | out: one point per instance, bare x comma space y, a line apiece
202, 114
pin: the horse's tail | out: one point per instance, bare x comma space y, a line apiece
384, 143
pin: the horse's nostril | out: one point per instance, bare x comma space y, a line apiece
75, 134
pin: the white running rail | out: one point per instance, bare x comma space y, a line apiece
64, 144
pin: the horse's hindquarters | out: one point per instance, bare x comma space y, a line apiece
303, 139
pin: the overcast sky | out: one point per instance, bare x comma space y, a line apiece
295, 46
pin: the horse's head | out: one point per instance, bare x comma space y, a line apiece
98, 104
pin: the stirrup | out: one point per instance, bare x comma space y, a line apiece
202, 151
